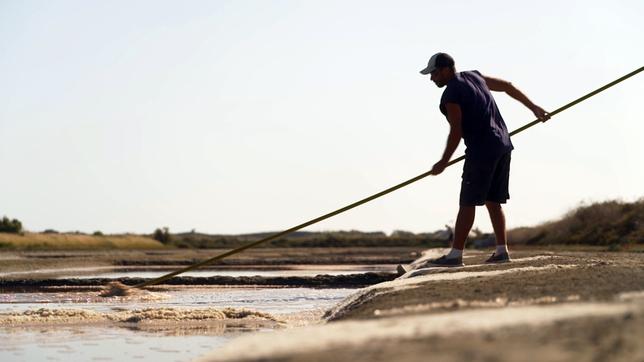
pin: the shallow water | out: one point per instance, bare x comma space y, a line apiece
100, 342
107, 344
270, 300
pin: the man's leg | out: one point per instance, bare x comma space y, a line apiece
464, 222
498, 223
474, 185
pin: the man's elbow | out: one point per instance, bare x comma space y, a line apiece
497, 84
455, 131
508, 87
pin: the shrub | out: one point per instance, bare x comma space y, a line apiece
162, 235
10, 226
97, 233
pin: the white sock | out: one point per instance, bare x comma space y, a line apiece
501, 249
455, 253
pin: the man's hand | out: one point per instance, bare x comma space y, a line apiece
540, 113
438, 167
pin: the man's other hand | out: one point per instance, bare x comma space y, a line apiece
540, 113
438, 167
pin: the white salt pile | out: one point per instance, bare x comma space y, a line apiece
148, 315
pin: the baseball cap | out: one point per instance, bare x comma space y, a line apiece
438, 60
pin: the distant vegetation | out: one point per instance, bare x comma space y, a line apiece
10, 226
313, 239
612, 223
57, 241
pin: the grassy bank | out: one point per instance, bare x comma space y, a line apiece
612, 223
38, 241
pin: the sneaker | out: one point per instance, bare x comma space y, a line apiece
443, 261
499, 258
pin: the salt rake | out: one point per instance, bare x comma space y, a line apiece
117, 288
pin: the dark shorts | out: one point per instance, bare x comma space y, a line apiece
485, 181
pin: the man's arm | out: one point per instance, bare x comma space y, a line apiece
500, 85
454, 118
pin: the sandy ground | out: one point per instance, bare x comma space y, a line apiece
564, 306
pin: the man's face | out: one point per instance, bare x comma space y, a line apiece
440, 76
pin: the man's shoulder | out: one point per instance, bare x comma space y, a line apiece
469, 79
471, 73
460, 81
451, 91
463, 78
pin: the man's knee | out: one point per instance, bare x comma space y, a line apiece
466, 209
491, 205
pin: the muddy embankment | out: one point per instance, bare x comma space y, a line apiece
318, 281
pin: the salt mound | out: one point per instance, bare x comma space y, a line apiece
148, 315
44, 315
122, 292
173, 314
116, 289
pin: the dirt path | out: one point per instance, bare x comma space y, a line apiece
51, 264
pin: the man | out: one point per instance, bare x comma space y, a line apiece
473, 115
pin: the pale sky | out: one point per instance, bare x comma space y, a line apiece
245, 116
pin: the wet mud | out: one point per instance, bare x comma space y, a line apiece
319, 281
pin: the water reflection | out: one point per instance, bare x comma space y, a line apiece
110, 344
270, 300
180, 341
